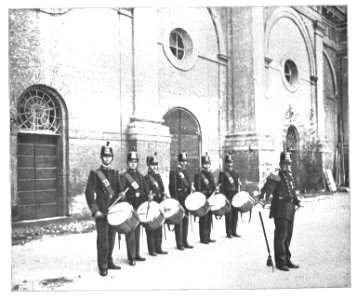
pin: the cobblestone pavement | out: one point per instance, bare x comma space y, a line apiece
320, 245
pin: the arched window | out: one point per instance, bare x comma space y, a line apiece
37, 112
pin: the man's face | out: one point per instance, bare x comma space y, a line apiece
229, 166
285, 166
107, 159
133, 164
153, 168
183, 164
206, 166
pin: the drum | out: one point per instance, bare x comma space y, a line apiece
150, 215
219, 205
197, 204
172, 210
123, 217
243, 201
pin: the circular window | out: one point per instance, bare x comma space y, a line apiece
177, 45
290, 75
179, 48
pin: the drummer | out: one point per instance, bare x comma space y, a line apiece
103, 188
137, 194
229, 186
155, 184
180, 188
204, 183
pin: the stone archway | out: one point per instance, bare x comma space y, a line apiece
186, 135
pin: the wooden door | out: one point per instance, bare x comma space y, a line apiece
37, 176
185, 136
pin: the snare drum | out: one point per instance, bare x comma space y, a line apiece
150, 215
243, 201
172, 210
123, 217
219, 205
197, 204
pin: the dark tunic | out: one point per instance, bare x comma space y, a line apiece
180, 188
154, 237
98, 199
229, 187
282, 187
136, 195
204, 183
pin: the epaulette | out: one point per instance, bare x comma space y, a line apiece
274, 176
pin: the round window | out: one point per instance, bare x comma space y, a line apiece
290, 75
290, 71
179, 48
177, 45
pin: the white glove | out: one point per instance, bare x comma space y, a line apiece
259, 207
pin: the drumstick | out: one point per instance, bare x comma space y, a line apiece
147, 211
117, 199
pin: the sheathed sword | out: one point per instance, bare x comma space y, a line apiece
269, 261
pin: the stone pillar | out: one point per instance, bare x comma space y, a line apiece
146, 130
323, 152
246, 135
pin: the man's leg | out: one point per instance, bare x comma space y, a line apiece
280, 236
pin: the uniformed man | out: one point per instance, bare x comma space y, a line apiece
103, 188
281, 186
180, 188
229, 186
155, 184
136, 195
204, 183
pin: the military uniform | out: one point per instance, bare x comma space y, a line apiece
155, 184
180, 188
204, 183
136, 195
229, 186
281, 185
99, 198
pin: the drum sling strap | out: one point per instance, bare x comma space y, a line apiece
154, 183
183, 178
132, 182
231, 180
105, 182
205, 181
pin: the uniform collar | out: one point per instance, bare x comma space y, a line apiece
106, 168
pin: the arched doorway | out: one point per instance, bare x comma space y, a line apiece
186, 135
41, 167
292, 145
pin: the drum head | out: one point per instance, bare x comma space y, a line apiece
148, 212
217, 201
195, 201
240, 199
169, 207
119, 213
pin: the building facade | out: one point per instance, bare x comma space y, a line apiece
249, 80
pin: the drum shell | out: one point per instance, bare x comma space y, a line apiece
243, 202
177, 216
155, 223
203, 209
223, 209
129, 224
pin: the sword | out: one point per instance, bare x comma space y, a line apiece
269, 261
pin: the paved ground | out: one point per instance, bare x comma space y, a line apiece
321, 245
